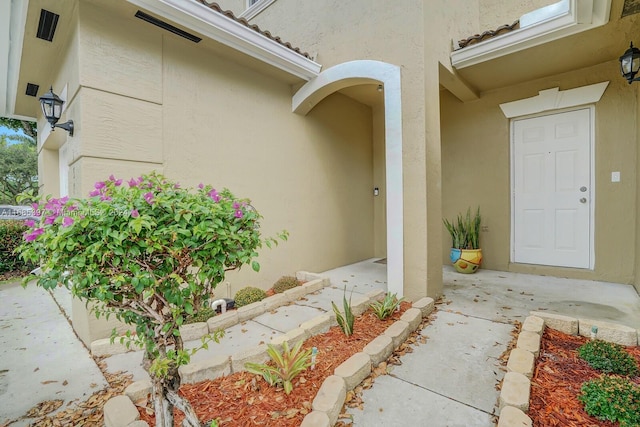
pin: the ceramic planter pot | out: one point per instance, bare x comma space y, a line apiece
466, 260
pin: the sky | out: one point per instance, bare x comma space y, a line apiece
7, 131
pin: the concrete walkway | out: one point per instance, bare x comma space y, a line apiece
449, 381
41, 358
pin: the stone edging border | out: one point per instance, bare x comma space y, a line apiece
194, 331
516, 386
120, 411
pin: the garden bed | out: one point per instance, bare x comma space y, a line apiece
243, 399
557, 382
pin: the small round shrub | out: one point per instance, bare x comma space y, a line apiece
249, 295
608, 357
612, 399
204, 314
284, 283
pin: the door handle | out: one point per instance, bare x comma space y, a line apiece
583, 189
583, 200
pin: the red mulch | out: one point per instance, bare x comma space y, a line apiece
557, 381
244, 399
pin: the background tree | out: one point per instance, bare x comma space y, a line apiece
150, 253
18, 160
30, 129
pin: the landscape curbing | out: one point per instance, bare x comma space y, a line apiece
516, 386
350, 373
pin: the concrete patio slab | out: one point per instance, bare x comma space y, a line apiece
459, 360
40, 356
287, 315
393, 402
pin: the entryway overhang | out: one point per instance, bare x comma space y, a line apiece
574, 34
360, 72
543, 25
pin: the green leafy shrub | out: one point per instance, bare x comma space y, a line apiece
608, 357
288, 365
284, 283
345, 321
202, 315
151, 253
10, 238
248, 295
387, 306
612, 399
465, 231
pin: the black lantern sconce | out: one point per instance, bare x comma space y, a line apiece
630, 64
52, 109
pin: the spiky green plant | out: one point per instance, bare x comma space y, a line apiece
387, 306
288, 365
345, 321
465, 230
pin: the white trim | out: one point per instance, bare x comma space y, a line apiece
13, 15
373, 72
542, 26
554, 99
255, 9
592, 179
211, 24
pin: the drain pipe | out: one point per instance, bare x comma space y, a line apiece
219, 303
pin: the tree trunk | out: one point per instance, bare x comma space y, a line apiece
165, 393
162, 407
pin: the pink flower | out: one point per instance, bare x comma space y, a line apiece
50, 220
112, 178
238, 213
201, 186
149, 197
214, 195
30, 237
67, 221
105, 198
176, 185
118, 182
236, 205
99, 185
132, 183
135, 213
30, 223
64, 200
94, 193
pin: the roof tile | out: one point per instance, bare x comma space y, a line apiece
478, 38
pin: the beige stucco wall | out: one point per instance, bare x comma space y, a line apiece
494, 13
143, 100
476, 171
354, 30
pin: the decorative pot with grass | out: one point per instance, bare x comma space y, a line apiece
466, 255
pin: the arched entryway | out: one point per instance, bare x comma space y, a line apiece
356, 73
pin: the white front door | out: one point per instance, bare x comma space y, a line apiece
552, 192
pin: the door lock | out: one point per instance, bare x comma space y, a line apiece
583, 189
583, 200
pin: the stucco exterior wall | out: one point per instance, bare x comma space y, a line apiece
476, 171
159, 102
354, 30
233, 127
494, 13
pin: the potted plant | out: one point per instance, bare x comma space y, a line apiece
466, 255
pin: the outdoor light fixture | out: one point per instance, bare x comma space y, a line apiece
379, 88
52, 109
630, 64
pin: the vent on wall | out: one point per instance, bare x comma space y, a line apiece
47, 25
32, 89
166, 26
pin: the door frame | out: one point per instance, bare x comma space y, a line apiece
592, 193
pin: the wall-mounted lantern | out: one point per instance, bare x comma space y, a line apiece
52, 109
630, 63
